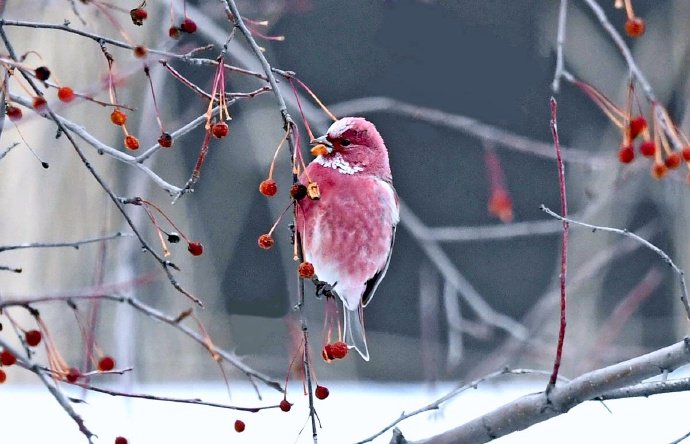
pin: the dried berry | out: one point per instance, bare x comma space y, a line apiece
188, 25
339, 350
673, 161
140, 51
138, 16
239, 426
131, 142
659, 170
327, 353
13, 113
32, 338
321, 392
686, 153
118, 117
195, 248
65, 94
626, 154
7, 358
634, 27
106, 363
39, 103
220, 130
72, 375
120, 440
298, 191
637, 126
165, 140
648, 148
285, 405
306, 270
266, 241
174, 32
42, 73
3, 376
268, 187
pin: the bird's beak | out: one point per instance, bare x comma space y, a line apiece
322, 146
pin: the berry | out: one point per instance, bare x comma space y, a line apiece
648, 148
138, 16
266, 241
7, 358
637, 125
188, 25
285, 405
268, 187
173, 238
131, 142
634, 27
686, 153
239, 426
165, 140
321, 392
298, 191
659, 170
39, 103
327, 353
195, 248
174, 32
32, 338
72, 375
626, 154
42, 73
140, 51
66, 94
501, 205
3, 376
220, 130
118, 117
13, 113
306, 270
106, 364
673, 161
120, 440
339, 350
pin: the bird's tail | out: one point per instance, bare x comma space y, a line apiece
354, 331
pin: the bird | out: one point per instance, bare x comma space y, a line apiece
347, 234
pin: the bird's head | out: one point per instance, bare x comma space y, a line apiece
356, 141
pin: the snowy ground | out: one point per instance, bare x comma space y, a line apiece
351, 413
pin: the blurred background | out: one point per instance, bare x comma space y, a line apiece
459, 91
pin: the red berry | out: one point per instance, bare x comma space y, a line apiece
3, 376
321, 392
268, 187
327, 353
501, 205
673, 161
188, 25
120, 440
131, 142
239, 426
285, 405
298, 191
220, 130
195, 248
339, 350
626, 154
306, 270
648, 148
72, 375
7, 358
686, 153
42, 73
39, 103
634, 27
174, 32
118, 117
637, 125
138, 16
13, 113
140, 51
106, 364
659, 170
32, 338
266, 241
165, 140
66, 94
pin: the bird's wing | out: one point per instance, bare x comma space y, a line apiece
373, 283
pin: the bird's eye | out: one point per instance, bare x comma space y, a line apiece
344, 142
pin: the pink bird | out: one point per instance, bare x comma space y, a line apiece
348, 233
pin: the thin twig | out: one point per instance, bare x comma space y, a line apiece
560, 42
75, 244
647, 389
9, 148
665, 257
492, 232
564, 245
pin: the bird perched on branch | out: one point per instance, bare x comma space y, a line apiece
348, 233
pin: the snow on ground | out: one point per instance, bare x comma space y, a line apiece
352, 412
